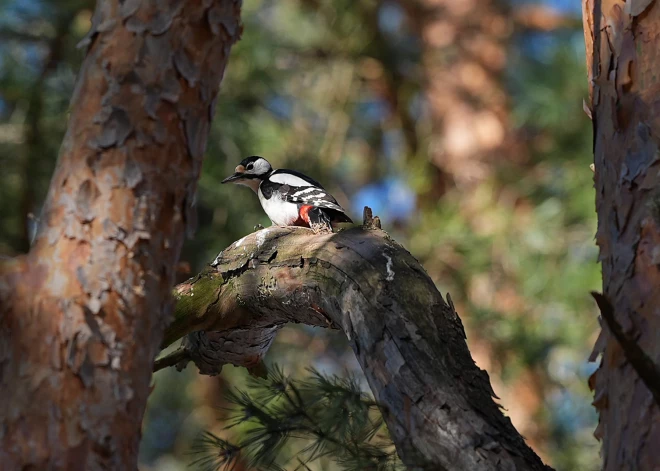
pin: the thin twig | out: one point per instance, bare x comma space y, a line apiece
24, 36
174, 358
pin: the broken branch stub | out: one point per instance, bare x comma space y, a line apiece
410, 343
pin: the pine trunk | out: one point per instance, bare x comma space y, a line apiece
463, 57
624, 77
82, 315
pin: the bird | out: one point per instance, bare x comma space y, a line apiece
288, 197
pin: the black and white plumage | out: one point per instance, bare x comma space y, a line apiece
289, 198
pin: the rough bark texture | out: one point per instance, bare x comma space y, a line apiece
82, 315
623, 40
410, 343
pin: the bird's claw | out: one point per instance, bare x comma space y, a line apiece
321, 228
258, 227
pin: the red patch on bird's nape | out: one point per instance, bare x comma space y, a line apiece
303, 214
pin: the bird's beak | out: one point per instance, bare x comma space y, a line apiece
239, 173
232, 178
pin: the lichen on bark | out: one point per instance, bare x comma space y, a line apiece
411, 345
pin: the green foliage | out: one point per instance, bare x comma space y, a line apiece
307, 87
327, 416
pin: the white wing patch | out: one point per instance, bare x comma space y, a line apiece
288, 179
315, 197
305, 190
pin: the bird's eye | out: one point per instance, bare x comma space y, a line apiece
250, 166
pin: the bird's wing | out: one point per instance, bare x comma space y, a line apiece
293, 178
313, 196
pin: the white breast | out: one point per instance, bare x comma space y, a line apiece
280, 212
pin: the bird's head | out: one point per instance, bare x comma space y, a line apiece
250, 172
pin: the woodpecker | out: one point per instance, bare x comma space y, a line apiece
289, 198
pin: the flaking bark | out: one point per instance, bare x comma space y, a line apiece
82, 315
623, 65
410, 343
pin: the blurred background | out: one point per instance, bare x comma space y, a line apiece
460, 123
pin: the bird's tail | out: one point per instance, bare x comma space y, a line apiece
337, 216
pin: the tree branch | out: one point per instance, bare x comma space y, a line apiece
647, 370
8, 34
410, 343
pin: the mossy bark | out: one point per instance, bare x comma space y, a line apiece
410, 343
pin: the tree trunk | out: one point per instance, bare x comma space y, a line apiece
463, 57
623, 67
410, 343
82, 315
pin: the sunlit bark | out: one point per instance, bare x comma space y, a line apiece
82, 315
623, 68
410, 343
